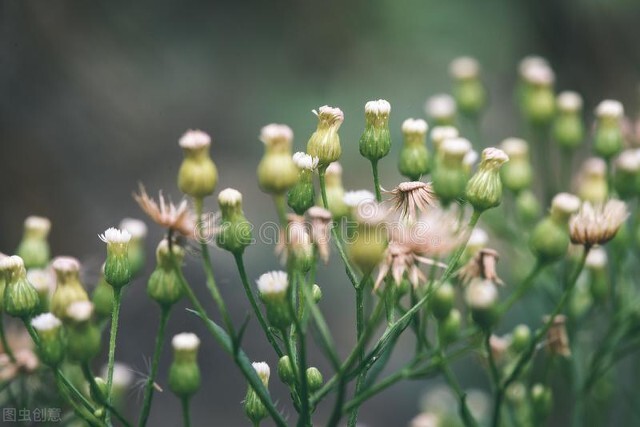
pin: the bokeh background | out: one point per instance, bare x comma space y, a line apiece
94, 96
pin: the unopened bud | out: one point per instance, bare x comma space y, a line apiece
198, 174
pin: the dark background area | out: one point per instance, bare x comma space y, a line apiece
94, 96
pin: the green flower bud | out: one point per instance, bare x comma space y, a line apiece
102, 389
516, 174
198, 175
83, 336
235, 231
273, 287
415, 160
52, 347
450, 175
68, 286
520, 338
253, 406
335, 192
593, 186
314, 379
325, 141
596, 265
609, 138
102, 298
482, 297
468, 91
301, 196
298, 243
316, 293
367, 246
541, 401
568, 128
164, 284
450, 326
184, 373
375, 142
286, 372
44, 281
484, 190
20, 297
138, 231
537, 97
117, 270
34, 248
527, 206
626, 176
122, 379
442, 301
442, 109
550, 237
276, 171
439, 134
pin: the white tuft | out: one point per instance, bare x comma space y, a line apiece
137, 228
194, 139
597, 258
80, 311
610, 108
595, 166
464, 67
262, 369
185, 341
334, 114
455, 146
531, 61
440, 106
65, 264
495, 155
13, 262
230, 197
334, 169
122, 375
305, 161
114, 235
273, 282
379, 107
415, 126
45, 322
481, 294
470, 158
566, 202
536, 70
355, 198
42, 279
275, 132
515, 147
478, 238
569, 101
629, 161
440, 133
37, 223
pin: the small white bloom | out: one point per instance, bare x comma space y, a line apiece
331, 114
457, 147
596, 258
273, 282
440, 106
305, 161
45, 322
276, 132
42, 279
481, 294
531, 61
137, 228
185, 341
355, 198
122, 375
536, 71
594, 167
37, 223
334, 169
80, 311
262, 369
229, 197
610, 108
494, 154
379, 107
515, 147
464, 67
13, 263
566, 203
569, 101
478, 238
442, 133
470, 158
194, 139
114, 235
628, 161
65, 264
415, 126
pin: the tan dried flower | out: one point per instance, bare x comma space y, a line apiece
399, 260
178, 218
411, 196
320, 230
597, 224
557, 339
483, 266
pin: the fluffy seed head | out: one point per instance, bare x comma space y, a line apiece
66, 264
274, 133
440, 106
305, 161
37, 223
45, 322
185, 341
415, 126
597, 224
136, 227
569, 102
229, 197
273, 282
464, 67
114, 235
610, 108
80, 311
194, 140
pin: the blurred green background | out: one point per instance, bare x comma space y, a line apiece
94, 96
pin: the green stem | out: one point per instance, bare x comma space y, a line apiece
5, 344
88, 375
115, 314
465, 413
495, 377
522, 289
376, 180
281, 208
83, 413
186, 415
148, 387
353, 417
305, 412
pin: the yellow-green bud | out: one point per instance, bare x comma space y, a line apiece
335, 192
609, 139
482, 297
442, 301
520, 338
138, 231
301, 196
102, 298
484, 190
184, 373
537, 97
527, 206
164, 284
117, 269
299, 245
44, 281
517, 173
415, 160
51, 347
68, 286
442, 109
286, 371
83, 336
234, 234
468, 90
596, 265
273, 287
626, 176
253, 406
375, 142
276, 171
367, 245
449, 327
550, 237
592, 185
316, 293
325, 141
20, 297
198, 175
34, 248
541, 401
568, 127
102, 389
450, 175
314, 379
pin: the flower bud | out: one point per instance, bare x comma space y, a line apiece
482, 297
592, 185
541, 401
122, 380
609, 138
568, 128
102, 391
102, 298
537, 97
51, 347
375, 142
298, 243
83, 336
314, 379
325, 141
484, 189
301, 196
367, 246
286, 372
117, 269
520, 338
164, 284
34, 248
321, 230
596, 265
235, 231
414, 156
138, 231
516, 174
276, 171
184, 373
20, 297
442, 301
316, 293
626, 176
468, 91
527, 206
550, 238
273, 287
68, 286
198, 174
450, 176
253, 406
442, 109
44, 281
441, 133
335, 192
449, 327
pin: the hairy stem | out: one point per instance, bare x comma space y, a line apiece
115, 314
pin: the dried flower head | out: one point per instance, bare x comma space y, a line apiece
178, 218
481, 266
411, 197
557, 342
597, 224
320, 230
401, 259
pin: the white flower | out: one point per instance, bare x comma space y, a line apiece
481, 294
122, 375
42, 279
273, 282
185, 341
515, 147
80, 311
114, 235
569, 101
596, 259
37, 223
464, 67
610, 108
137, 228
415, 126
377, 108
45, 322
478, 238
263, 370
65, 264
330, 114
628, 161
457, 147
305, 161
334, 169
355, 198
470, 158
565, 203
536, 71
230, 197
440, 106
194, 139
531, 61
274, 132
